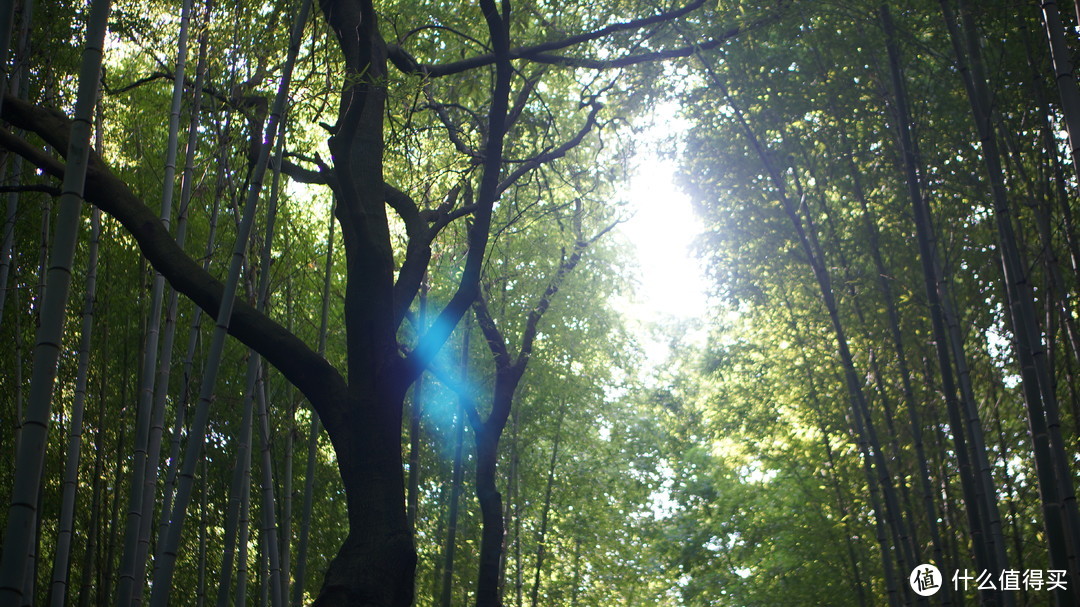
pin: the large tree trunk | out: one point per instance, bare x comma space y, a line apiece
376, 564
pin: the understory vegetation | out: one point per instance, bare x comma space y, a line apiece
333, 303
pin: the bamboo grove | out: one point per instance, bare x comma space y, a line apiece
319, 304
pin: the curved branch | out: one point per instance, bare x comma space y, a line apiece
453, 131
629, 60
494, 337
406, 63
488, 193
303, 367
458, 33
300, 174
417, 252
555, 154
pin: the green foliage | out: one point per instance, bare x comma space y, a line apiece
731, 476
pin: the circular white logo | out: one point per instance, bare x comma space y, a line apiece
925, 580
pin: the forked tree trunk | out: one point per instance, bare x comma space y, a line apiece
487, 493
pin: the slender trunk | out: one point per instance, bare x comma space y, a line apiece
164, 372
91, 562
508, 373
895, 453
881, 525
200, 589
196, 323
305, 525
43, 252
62, 554
105, 584
1009, 486
541, 536
240, 594
416, 409
7, 234
163, 575
240, 479
1051, 180
1061, 58
904, 371
510, 514
1052, 464
264, 573
30, 460
314, 428
577, 573
17, 420
519, 572
807, 236
269, 530
841, 502
842, 505
456, 481
17, 84
31, 583
287, 505
151, 412
979, 496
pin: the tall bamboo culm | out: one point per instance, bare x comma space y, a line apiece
30, 458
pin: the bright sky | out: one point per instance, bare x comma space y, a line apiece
662, 229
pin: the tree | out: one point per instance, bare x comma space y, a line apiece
362, 408
862, 146
32, 440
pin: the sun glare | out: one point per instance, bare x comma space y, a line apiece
661, 230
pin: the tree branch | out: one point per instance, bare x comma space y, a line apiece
406, 63
417, 251
555, 154
300, 174
453, 131
462, 390
629, 60
303, 367
495, 340
487, 194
